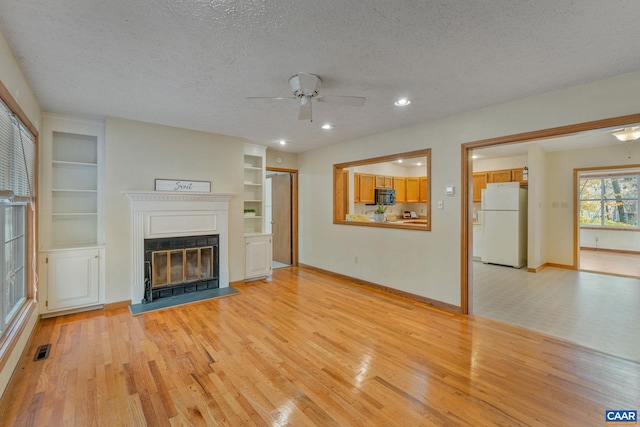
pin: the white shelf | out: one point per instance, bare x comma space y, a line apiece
254, 177
72, 184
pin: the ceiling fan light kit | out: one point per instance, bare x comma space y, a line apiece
306, 87
628, 134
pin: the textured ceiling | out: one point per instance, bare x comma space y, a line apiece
191, 64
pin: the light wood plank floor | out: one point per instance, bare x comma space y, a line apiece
307, 349
619, 263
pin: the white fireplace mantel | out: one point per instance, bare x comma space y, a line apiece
156, 214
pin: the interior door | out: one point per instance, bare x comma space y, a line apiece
281, 189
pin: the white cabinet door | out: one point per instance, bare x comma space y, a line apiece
73, 279
258, 256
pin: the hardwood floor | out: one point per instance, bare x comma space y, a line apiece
610, 262
307, 349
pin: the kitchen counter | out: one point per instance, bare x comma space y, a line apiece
411, 221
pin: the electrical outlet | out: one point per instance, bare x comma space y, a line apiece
440, 204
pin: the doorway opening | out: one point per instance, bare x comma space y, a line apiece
539, 230
607, 200
281, 211
557, 299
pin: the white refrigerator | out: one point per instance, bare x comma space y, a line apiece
504, 223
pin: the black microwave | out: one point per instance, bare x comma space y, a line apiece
385, 196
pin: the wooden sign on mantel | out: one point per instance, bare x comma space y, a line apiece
180, 185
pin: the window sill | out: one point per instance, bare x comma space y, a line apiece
635, 230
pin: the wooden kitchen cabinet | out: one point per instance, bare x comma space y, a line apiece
517, 175
356, 188
479, 183
423, 187
400, 185
500, 176
366, 188
413, 190
384, 181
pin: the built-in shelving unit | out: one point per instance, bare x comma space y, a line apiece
71, 266
254, 176
74, 190
258, 253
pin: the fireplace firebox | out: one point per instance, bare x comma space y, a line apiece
179, 265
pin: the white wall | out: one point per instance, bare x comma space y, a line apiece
12, 77
610, 239
288, 160
136, 153
14, 80
536, 242
428, 263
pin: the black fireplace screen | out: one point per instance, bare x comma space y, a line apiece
179, 265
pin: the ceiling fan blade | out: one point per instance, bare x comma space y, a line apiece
305, 109
308, 83
355, 101
271, 97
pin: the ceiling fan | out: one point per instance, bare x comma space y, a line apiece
306, 87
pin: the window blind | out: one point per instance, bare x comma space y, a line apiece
17, 156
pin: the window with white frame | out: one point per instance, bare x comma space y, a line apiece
17, 166
609, 200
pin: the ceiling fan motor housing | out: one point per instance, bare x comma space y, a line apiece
308, 87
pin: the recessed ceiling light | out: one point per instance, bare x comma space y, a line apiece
327, 126
283, 142
418, 164
399, 160
402, 102
475, 156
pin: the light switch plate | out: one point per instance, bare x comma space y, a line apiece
450, 190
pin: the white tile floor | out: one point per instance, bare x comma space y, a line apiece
590, 309
276, 264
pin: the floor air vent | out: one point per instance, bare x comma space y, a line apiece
42, 352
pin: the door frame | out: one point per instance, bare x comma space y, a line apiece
466, 226
294, 211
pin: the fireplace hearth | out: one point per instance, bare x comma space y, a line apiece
179, 265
